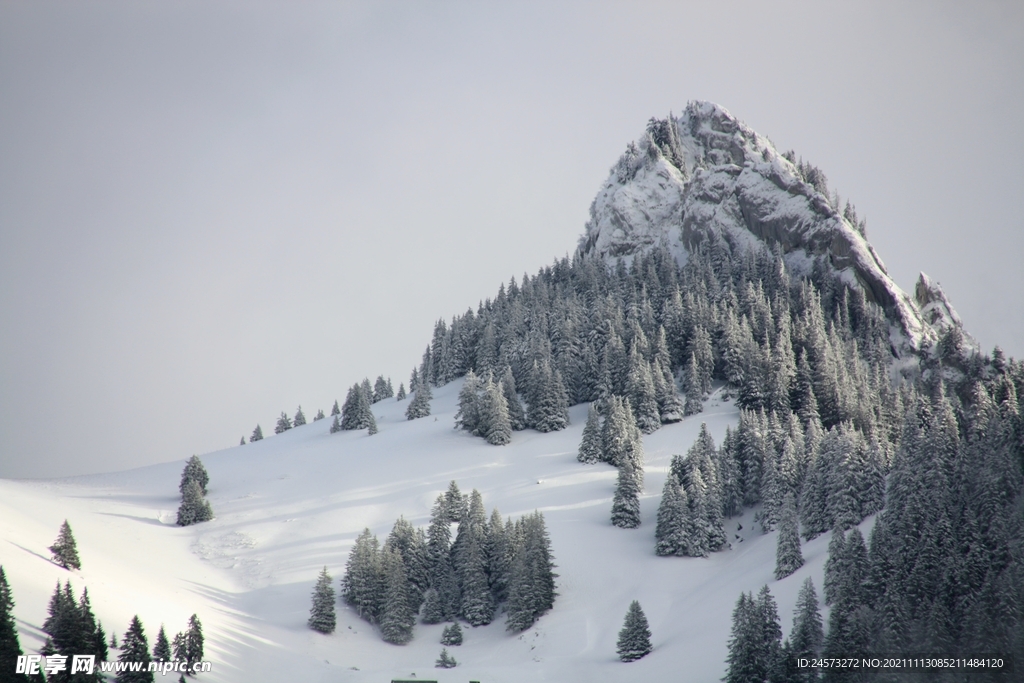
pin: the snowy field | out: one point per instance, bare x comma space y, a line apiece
292, 503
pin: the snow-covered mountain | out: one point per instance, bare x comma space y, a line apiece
706, 177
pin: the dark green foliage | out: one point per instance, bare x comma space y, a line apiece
397, 616
321, 613
64, 549
532, 580
807, 636
135, 648
452, 635
635, 636
162, 647
10, 649
193, 642
755, 647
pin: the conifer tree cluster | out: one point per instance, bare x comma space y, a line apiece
71, 629
491, 563
194, 507
690, 517
419, 406
490, 410
284, 423
10, 648
64, 549
356, 412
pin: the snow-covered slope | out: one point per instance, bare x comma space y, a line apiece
290, 504
712, 177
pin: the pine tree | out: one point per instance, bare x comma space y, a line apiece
433, 612
445, 661
135, 648
321, 614
834, 565
242, 442
335, 411
494, 415
640, 389
194, 508
671, 535
194, 641
257, 434
694, 390
468, 415
64, 549
382, 389
319, 415
419, 406
162, 647
626, 501
300, 418
807, 635
635, 636
335, 425
362, 587
397, 619
788, 557
400, 396
194, 471
284, 423
452, 635
10, 649
590, 445
372, 427
516, 416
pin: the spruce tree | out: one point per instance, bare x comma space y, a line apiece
319, 415
242, 442
671, 535
335, 425
194, 471
300, 418
591, 445
468, 415
335, 411
64, 549
194, 508
419, 406
135, 648
162, 647
452, 635
362, 587
397, 619
400, 396
640, 389
694, 394
445, 661
284, 423
635, 636
788, 557
516, 416
257, 434
194, 641
495, 415
10, 649
321, 613
807, 635
626, 501
433, 612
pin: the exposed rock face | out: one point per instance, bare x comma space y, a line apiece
706, 176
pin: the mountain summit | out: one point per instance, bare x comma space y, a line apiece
706, 180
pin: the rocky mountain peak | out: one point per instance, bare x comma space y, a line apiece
706, 177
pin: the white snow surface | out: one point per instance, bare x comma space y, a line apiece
735, 184
292, 503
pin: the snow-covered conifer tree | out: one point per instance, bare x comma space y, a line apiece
194, 641
468, 415
591, 445
321, 613
161, 647
626, 501
788, 557
452, 635
494, 415
335, 410
135, 648
319, 415
694, 394
336, 425
194, 508
64, 549
400, 396
300, 418
194, 471
433, 613
419, 406
635, 636
671, 535
284, 423
516, 416
445, 661
807, 635
397, 619
257, 434
10, 648
640, 389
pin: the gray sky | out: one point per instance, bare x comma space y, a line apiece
213, 212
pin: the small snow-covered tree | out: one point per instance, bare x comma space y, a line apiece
626, 501
64, 549
10, 648
321, 613
300, 418
400, 396
672, 533
194, 508
397, 619
494, 415
445, 661
433, 612
336, 425
635, 636
591, 445
516, 416
452, 635
257, 434
194, 471
319, 415
284, 423
335, 410
419, 406
193, 641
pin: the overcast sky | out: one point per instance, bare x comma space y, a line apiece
213, 212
